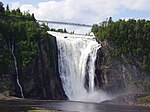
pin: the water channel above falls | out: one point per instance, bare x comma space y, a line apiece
76, 62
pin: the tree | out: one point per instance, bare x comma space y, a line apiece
1, 8
7, 7
33, 18
131, 39
7, 11
65, 31
60, 30
110, 20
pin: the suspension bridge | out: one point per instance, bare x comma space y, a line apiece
63, 23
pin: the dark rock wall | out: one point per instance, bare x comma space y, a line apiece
41, 79
115, 76
8, 84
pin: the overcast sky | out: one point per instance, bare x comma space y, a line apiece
83, 11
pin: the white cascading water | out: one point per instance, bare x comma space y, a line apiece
76, 58
16, 68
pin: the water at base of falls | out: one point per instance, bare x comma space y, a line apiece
76, 62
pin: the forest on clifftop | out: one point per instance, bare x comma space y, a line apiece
21, 31
131, 39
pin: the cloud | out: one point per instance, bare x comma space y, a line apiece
82, 11
139, 5
15, 5
85, 11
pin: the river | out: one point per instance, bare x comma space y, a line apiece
64, 106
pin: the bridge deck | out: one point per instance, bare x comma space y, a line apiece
64, 23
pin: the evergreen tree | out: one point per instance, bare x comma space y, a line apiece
131, 39
1, 7
7, 7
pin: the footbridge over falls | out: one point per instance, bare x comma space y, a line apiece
63, 23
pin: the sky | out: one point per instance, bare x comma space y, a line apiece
83, 11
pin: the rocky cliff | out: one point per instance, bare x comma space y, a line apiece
116, 75
39, 80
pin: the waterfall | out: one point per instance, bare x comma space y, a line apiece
17, 73
76, 63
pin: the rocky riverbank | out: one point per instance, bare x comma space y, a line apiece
142, 99
5, 97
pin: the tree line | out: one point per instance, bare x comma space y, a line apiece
131, 39
15, 14
20, 33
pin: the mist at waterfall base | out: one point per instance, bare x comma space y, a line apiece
76, 63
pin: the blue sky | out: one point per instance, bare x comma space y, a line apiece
83, 11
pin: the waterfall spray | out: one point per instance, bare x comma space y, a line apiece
76, 62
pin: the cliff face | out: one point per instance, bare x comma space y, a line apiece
39, 80
116, 76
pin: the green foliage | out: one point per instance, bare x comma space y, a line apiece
144, 100
1, 7
146, 86
21, 31
59, 30
15, 15
131, 39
